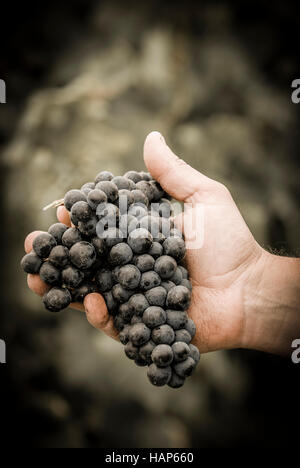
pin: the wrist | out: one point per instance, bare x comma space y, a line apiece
272, 304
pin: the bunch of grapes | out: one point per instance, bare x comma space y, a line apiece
123, 244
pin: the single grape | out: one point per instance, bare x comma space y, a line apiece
71, 276
110, 189
81, 211
82, 255
139, 303
176, 319
57, 230
96, 197
133, 175
144, 262
159, 376
57, 299
156, 296
162, 355
120, 254
72, 197
139, 334
43, 244
121, 182
179, 297
175, 247
163, 334
149, 280
154, 316
49, 274
129, 276
165, 266
181, 351
103, 176
31, 263
71, 237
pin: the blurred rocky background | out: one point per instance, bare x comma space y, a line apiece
86, 81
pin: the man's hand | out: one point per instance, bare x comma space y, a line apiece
233, 304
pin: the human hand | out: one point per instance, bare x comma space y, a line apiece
242, 295
230, 272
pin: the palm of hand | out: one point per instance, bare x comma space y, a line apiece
219, 271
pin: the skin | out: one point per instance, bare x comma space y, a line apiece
243, 296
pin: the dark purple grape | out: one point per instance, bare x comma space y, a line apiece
31, 263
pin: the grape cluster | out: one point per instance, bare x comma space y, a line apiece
123, 244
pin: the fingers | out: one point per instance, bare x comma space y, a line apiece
29, 240
63, 216
97, 314
37, 285
178, 178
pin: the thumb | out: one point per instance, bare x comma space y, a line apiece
174, 175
